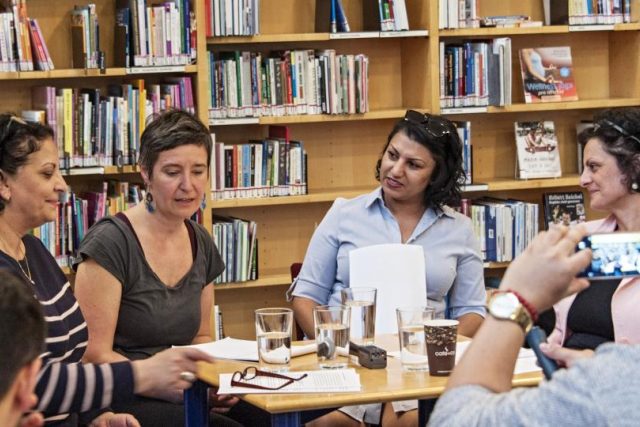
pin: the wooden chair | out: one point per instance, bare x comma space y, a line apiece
295, 270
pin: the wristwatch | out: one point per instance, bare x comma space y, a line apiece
507, 306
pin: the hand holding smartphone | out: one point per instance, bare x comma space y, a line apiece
614, 255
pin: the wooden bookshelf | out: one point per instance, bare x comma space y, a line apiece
342, 150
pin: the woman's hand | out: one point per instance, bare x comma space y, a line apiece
221, 403
109, 419
34, 419
165, 371
564, 356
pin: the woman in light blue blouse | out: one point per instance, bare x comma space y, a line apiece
420, 172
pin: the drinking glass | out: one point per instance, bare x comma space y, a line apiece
331, 325
362, 301
413, 348
273, 334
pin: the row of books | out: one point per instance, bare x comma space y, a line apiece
22, 47
475, 73
237, 243
292, 82
504, 228
589, 12
85, 39
156, 35
76, 213
232, 17
267, 168
386, 15
93, 128
377, 15
458, 14
464, 132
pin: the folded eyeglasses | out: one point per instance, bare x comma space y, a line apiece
241, 378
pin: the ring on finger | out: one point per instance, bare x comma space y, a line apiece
187, 376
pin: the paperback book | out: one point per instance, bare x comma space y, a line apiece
537, 150
547, 74
566, 208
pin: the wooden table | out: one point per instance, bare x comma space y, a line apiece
378, 385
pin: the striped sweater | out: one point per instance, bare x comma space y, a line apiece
65, 385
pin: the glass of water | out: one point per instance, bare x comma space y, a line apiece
273, 333
332, 335
413, 348
362, 301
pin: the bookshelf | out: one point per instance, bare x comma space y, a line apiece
343, 149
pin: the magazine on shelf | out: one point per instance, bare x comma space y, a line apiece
537, 150
547, 74
565, 208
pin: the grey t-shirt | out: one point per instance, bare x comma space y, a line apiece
152, 316
601, 391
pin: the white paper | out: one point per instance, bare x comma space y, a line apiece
526, 361
237, 349
321, 381
397, 271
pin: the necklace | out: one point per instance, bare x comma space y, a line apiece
27, 272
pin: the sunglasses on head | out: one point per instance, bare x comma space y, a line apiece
433, 125
609, 124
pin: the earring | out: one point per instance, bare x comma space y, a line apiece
203, 203
634, 186
148, 202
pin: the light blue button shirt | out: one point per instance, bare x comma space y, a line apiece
452, 253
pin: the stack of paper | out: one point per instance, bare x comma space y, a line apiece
329, 381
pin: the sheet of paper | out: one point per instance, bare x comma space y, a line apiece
526, 361
237, 349
321, 381
397, 271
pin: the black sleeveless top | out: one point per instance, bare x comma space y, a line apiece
589, 318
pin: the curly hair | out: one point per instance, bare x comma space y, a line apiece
18, 140
448, 174
618, 130
168, 130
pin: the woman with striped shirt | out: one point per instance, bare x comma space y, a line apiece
69, 391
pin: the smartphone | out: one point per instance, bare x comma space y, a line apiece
614, 255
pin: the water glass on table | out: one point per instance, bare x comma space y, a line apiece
273, 334
362, 301
413, 348
331, 325
441, 336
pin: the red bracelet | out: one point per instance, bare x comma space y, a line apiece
527, 305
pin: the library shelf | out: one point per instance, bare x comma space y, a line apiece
70, 73
265, 281
313, 37
394, 113
531, 184
525, 31
582, 104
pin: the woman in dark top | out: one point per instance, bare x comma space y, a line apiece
68, 390
607, 310
144, 281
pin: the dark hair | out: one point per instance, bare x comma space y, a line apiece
448, 175
22, 328
168, 130
19, 139
616, 130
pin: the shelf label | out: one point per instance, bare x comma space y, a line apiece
228, 122
158, 69
464, 110
591, 27
355, 35
411, 33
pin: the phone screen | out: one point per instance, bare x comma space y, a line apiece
614, 255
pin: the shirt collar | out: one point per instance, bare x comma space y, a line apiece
376, 196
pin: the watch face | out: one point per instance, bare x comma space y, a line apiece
503, 305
